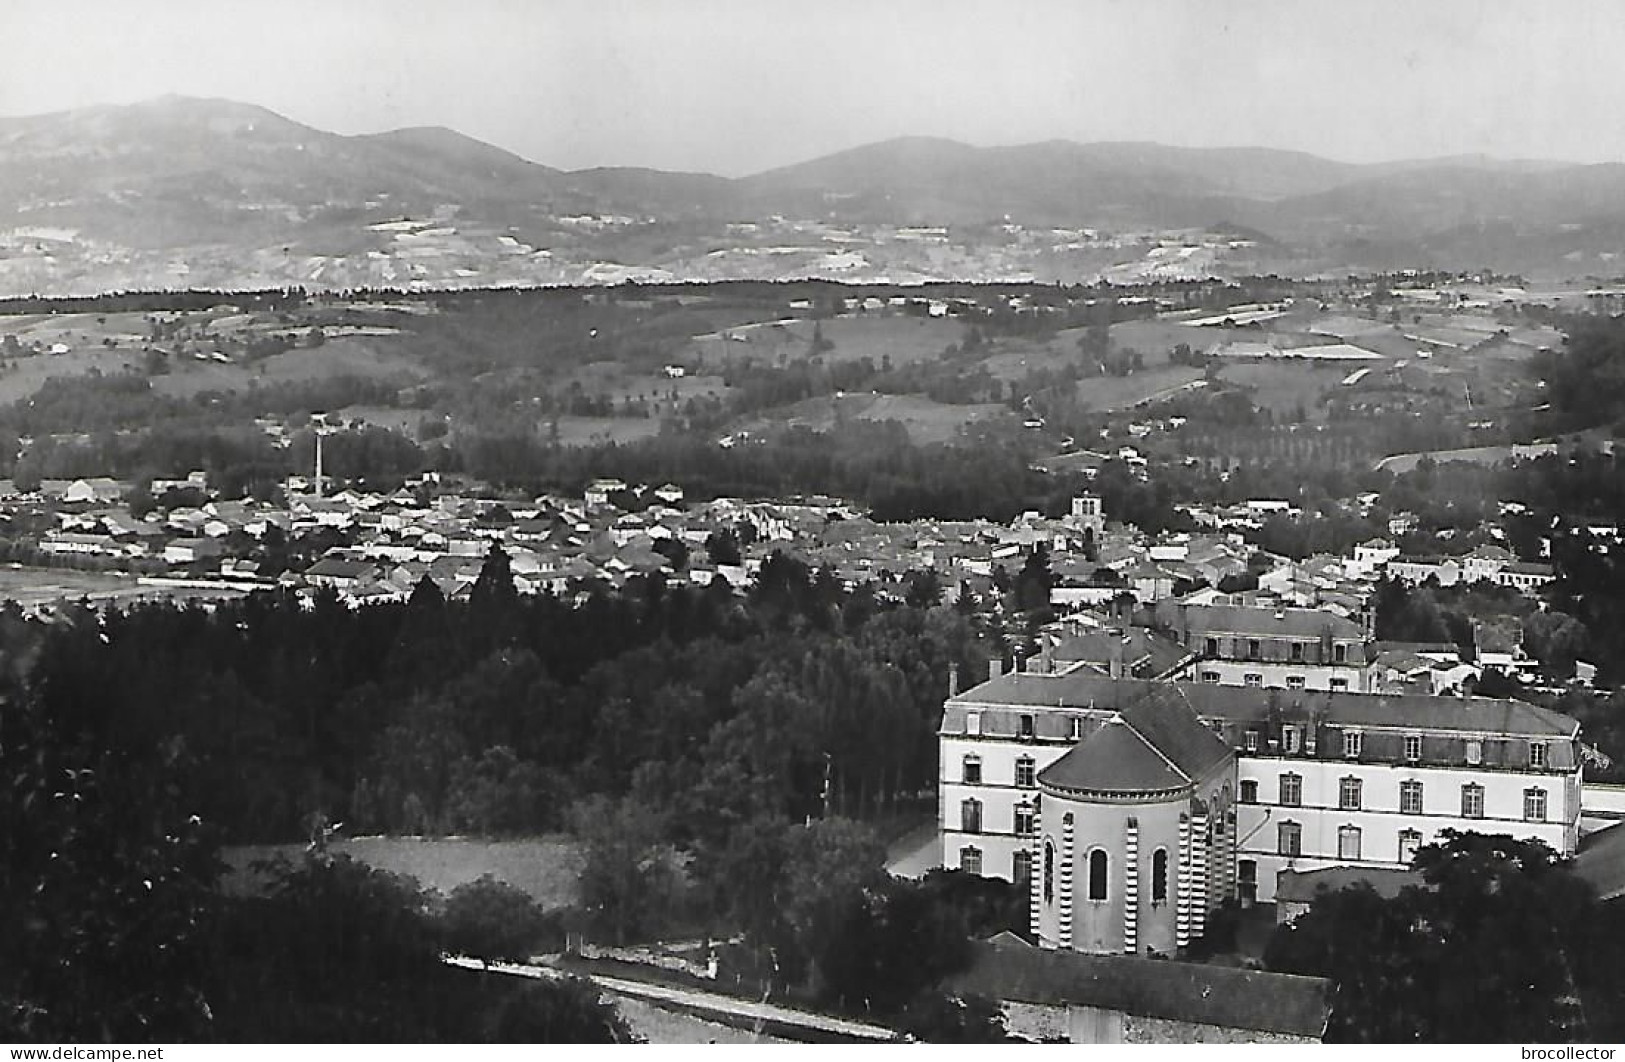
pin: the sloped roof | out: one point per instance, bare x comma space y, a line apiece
1222, 996
1084, 689
1301, 885
1159, 652
1166, 719
1115, 758
1267, 622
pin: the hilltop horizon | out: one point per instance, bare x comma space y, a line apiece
183, 190
171, 99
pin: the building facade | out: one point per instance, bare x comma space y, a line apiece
1264, 648
1132, 807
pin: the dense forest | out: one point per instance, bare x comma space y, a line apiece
492, 716
715, 759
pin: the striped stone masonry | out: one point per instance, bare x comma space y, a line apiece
1035, 880
1131, 887
1227, 856
1182, 885
1199, 865
1064, 920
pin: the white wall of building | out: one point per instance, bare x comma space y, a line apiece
1379, 819
1278, 676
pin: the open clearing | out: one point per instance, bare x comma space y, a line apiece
1149, 385
926, 421
1478, 455
30, 375
616, 382
1283, 386
335, 358
590, 431
546, 868
899, 337
406, 421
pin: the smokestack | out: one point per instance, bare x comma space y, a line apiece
953, 679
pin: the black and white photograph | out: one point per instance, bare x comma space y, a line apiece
760, 522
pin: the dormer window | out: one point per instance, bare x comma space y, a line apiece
973, 724
1026, 727
1250, 741
1537, 754
1413, 747
1290, 739
1351, 744
1475, 752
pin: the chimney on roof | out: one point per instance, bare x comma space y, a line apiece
1115, 667
1046, 658
953, 679
995, 668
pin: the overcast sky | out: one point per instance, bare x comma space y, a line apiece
736, 86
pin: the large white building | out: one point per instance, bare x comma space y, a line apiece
1270, 648
1133, 807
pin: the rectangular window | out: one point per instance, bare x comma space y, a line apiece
1348, 842
973, 723
1339, 684
1210, 677
1295, 682
973, 770
1250, 741
1351, 744
1537, 754
1252, 649
1077, 727
1297, 652
1252, 679
1027, 726
1409, 842
1249, 791
1289, 739
1289, 839
1021, 867
1534, 805
1025, 772
1340, 653
1472, 801
1410, 798
1413, 747
1291, 792
1475, 752
970, 860
970, 816
1348, 794
1026, 820
1212, 647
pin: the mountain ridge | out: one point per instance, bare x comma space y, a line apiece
236, 192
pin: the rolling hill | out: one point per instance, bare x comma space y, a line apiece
191, 192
